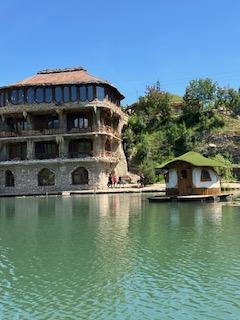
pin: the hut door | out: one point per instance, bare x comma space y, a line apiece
185, 181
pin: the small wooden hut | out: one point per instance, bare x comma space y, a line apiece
191, 174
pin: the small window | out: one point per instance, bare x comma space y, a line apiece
83, 93
73, 93
46, 178
9, 179
205, 175
58, 94
21, 125
53, 123
30, 95
39, 95
66, 94
81, 122
100, 93
90, 93
48, 95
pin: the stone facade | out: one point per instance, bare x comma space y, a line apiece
67, 122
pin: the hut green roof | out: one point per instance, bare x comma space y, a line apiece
195, 159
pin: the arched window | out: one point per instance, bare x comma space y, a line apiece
66, 94
100, 93
46, 177
73, 93
39, 95
80, 176
58, 94
20, 96
90, 93
9, 179
30, 95
48, 94
205, 175
13, 96
83, 93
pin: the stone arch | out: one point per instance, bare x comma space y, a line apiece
9, 179
46, 177
80, 176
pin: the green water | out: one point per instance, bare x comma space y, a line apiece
118, 257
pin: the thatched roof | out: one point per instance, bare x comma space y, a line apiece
195, 159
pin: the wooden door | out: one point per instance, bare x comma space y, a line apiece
184, 181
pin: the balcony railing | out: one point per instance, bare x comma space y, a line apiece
26, 133
69, 155
104, 154
42, 155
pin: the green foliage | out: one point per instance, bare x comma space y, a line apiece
230, 99
156, 134
226, 172
201, 93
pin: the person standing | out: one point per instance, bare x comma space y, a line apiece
114, 180
109, 184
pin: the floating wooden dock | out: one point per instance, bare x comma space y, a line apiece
217, 197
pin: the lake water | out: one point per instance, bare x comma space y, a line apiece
118, 257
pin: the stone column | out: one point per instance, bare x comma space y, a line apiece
29, 122
99, 145
63, 148
97, 118
62, 116
30, 147
3, 152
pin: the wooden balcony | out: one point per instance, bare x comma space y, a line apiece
28, 133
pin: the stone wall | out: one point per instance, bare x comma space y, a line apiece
26, 176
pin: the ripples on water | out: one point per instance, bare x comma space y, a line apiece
118, 257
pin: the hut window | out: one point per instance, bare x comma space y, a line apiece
205, 175
9, 179
80, 176
183, 174
46, 178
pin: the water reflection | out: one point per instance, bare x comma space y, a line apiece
103, 256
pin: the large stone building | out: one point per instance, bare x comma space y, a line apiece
60, 130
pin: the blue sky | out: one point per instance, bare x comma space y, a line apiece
130, 43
